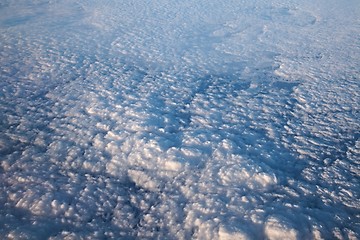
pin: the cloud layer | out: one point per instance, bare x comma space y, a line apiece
179, 120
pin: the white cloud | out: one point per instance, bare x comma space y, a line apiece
166, 119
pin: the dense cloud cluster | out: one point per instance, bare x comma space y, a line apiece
179, 120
